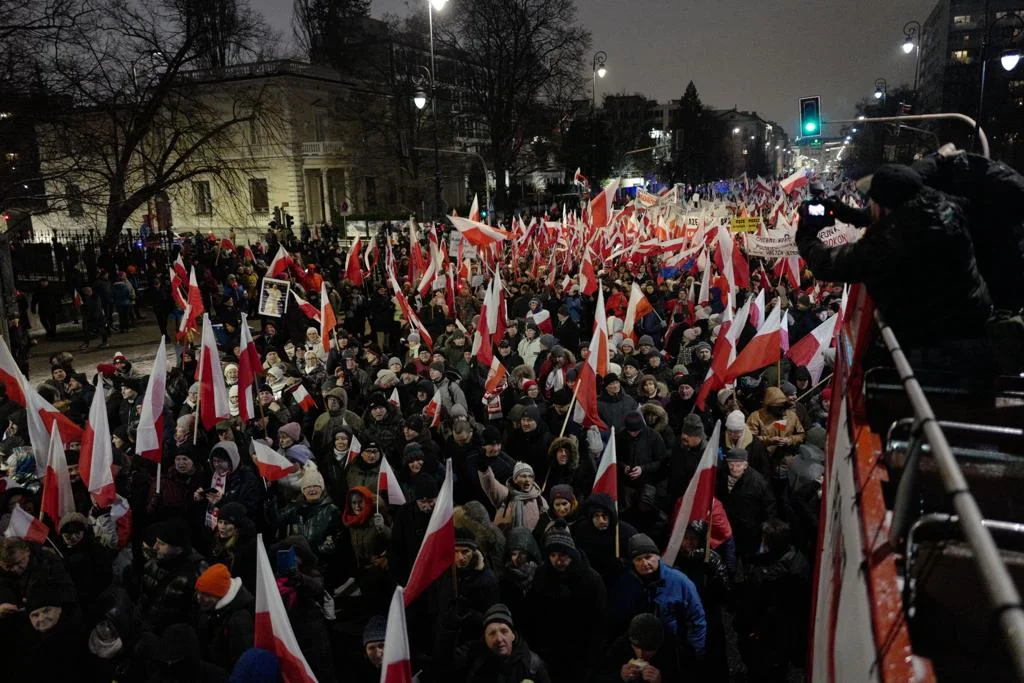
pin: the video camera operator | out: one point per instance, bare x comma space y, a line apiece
917, 260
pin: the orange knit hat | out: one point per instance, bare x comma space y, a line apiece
215, 581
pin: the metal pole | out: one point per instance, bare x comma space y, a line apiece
982, 138
999, 587
487, 188
433, 113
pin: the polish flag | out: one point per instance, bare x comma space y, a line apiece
397, 664
579, 179
149, 439
601, 335
764, 349
10, 375
731, 261
478, 234
42, 418
495, 374
788, 267
353, 273
566, 285
410, 315
601, 205
96, 461
542, 319
248, 255
585, 412
704, 296
58, 500
637, 308
497, 316
810, 350
437, 552
249, 366
177, 283
179, 268
698, 498
213, 394
588, 278
195, 306
757, 311
483, 347
432, 411
24, 525
273, 631
798, 180
427, 281
607, 478
474, 209
387, 482
302, 398
354, 449
394, 399
308, 309
327, 319
282, 261
77, 300
271, 464
724, 352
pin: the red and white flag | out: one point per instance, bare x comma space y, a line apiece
58, 500
607, 478
704, 295
810, 350
757, 310
213, 393
601, 337
495, 374
354, 449
579, 179
96, 461
542, 319
273, 631
10, 375
308, 309
601, 205
270, 464
397, 664
585, 411
24, 525
478, 234
179, 269
724, 352
248, 255
249, 367
327, 319
637, 308
76, 301
588, 277
474, 209
432, 411
302, 398
387, 483
764, 349
150, 436
437, 552
194, 303
42, 419
784, 333
282, 261
394, 399
353, 273
698, 498
483, 347
798, 180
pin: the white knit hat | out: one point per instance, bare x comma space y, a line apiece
735, 421
310, 477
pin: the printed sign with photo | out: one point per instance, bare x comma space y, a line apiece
274, 297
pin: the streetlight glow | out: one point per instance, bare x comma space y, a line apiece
420, 99
438, 5
1010, 59
908, 46
878, 94
735, 131
601, 71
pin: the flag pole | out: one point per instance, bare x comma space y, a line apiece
378, 487
815, 387
707, 543
159, 466
55, 548
617, 553
568, 414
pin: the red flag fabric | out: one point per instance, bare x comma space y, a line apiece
194, 304
353, 272
607, 478
308, 309
437, 552
327, 319
810, 350
764, 349
150, 435
282, 261
58, 500
478, 234
394, 399
96, 461
273, 631
601, 337
271, 464
637, 308
698, 498
302, 398
432, 411
387, 483
213, 394
397, 664
24, 525
495, 374
225, 243
249, 367
542, 319
796, 181
10, 375
601, 205
354, 449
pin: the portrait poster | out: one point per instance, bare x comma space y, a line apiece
274, 297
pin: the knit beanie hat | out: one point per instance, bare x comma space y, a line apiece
426, 487
563, 492
634, 422
734, 421
215, 581
491, 435
173, 532
73, 522
465, 539
548, 341
44, 594
641, 544
532, 412
233, 513
736, 455
413, 451
291, 430
521, 468
498, 613
311, 477
438, 365
558, 538
646, 631
693, 426
375, 629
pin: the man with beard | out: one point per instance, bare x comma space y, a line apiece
596, 537
566, 585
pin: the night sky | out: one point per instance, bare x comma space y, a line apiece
758, 56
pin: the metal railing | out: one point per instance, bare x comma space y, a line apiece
996, 581
322, 148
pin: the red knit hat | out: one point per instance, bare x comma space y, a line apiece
215, 581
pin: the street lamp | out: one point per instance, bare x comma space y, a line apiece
880, 87
912, 41
598, 69
433, 6
1009, 58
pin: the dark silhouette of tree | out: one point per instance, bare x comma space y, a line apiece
694, 135
329, 31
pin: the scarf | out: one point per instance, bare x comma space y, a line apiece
104, 649
517, 500
522, 576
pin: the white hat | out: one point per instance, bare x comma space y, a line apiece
735, 421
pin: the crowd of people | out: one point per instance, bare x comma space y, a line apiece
550, 581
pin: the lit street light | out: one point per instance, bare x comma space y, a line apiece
599, 70
1009, 58
420, 97
880, 86
912, 41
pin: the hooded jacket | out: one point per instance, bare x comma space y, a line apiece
387, 433
599, 546
613, 409
318, 522
227, 631
361, 534
672, 597
242, 484
474, 663
514, 582
577, 473
168, 590
328, 423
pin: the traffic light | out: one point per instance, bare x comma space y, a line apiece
810, 115
289, 221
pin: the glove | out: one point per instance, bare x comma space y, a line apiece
378, 522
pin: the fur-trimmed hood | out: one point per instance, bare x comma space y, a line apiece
655, 416
570, 444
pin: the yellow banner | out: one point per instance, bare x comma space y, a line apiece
746, 224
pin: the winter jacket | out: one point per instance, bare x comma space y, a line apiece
474, 663
567, 618
387, 433
500, 497
242, 485
328, 423
749, 505
657, 419
531, 448
89, 566
227, 631
528, 350
317, 522
577, 473
514, 582
359, 531
672, 598
899, 257
613, 409
168, 590
647, 451
599, 546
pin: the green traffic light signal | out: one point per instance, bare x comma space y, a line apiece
810, 115
810, 127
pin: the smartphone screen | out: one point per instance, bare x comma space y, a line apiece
286, 561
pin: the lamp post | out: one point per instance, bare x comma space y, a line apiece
434, 6
911, 42
597, 67
424, 83
880, 90
1008, 59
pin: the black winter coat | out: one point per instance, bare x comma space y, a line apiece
225, 633
168, 591
919, 267
749, 505
476, 664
